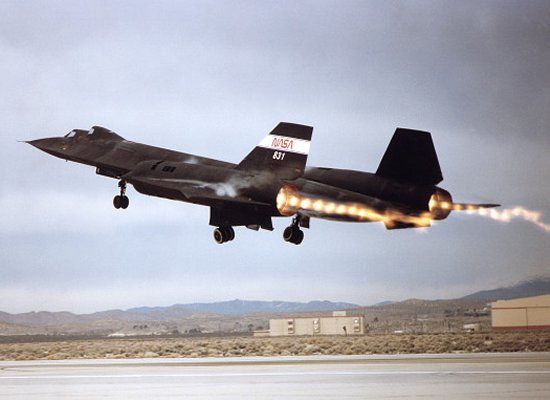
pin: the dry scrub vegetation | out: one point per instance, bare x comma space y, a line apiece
282, 346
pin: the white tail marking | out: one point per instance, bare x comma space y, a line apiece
286, 144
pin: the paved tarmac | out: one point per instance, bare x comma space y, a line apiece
461, 376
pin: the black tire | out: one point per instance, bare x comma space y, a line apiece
117, 201
288, 234
125, 202
231, 234
228, 233
219, 236
293, 234
298, 237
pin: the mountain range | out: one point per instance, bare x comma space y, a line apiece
532, 287
237, 307
237, 315
176, 311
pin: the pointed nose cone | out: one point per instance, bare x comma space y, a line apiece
53, 146
41, 144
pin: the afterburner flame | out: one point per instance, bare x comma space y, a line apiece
290, 202
287, 200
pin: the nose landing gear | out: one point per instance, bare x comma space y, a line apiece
293, 233
121, 201
224, 234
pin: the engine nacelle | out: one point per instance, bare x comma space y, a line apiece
441, 204
287, 200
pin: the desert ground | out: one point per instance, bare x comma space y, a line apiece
279, 346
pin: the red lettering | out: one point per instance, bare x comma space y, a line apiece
282, 143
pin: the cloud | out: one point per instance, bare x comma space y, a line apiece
212, 79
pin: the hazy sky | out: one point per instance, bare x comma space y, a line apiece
212, 78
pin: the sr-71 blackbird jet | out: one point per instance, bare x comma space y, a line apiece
272, 180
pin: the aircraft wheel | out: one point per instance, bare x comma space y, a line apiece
117, 201
288, 233
230, 233
124, 202
299, 237
224, 234
218, 236
293, 234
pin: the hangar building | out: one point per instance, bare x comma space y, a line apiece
525, 313
337, 324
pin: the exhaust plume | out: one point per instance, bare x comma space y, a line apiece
508, 214
505, 215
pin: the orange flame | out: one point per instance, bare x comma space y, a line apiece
290, 202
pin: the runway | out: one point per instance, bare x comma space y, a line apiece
486, 376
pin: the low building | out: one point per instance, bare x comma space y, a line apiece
525, 313
261, 333
338, 324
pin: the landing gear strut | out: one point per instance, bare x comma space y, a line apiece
224, 234
293, 233
121, 201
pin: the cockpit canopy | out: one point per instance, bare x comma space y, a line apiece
96, 132
76, 132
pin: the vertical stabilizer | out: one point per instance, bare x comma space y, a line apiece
283, 152
411, 157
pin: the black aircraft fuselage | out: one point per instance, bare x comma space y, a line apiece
273, 180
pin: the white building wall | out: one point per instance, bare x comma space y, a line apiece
317, 326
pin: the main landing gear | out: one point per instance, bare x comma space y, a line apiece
121, 201
293, 233
224, 234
